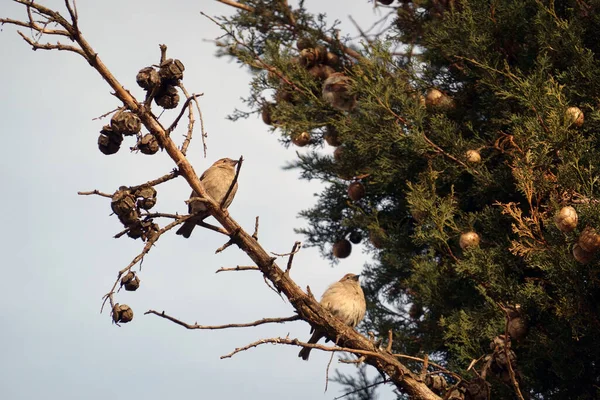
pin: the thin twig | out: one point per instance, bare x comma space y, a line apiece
226, 326
187, 102
255, 234
96, 192
359, 389
107, 114
237, 268
165, 178
235, 179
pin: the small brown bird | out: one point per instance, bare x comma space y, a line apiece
336, 91
346, 301
216, 180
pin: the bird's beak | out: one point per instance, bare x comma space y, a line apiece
356, 277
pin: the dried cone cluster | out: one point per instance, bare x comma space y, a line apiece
498, 362
127, 205
469, 239
587, 245
162, 84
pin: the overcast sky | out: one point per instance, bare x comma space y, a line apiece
59, 256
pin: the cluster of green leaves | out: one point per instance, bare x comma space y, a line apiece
512, 68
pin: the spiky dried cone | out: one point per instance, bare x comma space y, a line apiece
332, 137
130, 281
473, 156
574, 117
566, 219
436, 382
355, 237
469, 239
126, 123
582, 256
301, 139
148, 78
122, 313
171, 71
136, 229
130, 219
321, 54
436, 99
148, 144
589, 240
356, 191
377, 237
342, 248
167, 97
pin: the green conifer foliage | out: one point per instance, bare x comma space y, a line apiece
468, 130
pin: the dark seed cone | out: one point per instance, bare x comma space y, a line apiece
377, 238
321, 54
355, 237
332, 60
122, 202
356, 191
385, 2
171, 71
321, 71
301, 139
130, 218
332, 137
477, 389
130, 281
146, 197
109, 142
122, 313
342, 248
136, 230
589, 240
148, 78
266, 114
126, 123
303, 43
148, 144
415, 311
338, 154
517, 326
167, 97
150, 232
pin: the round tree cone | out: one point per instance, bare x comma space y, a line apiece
415, 311
308, 57
436, 99
122, 313
473, 157
171, 71
266, 114
574, 117
126, 123
566, 219
332, 137
304, 43
122, 202
148, 78
355, 237
146, 192
356, 191
321, 71
338, 154
167, 97
332, 60
148, 144
342, 248
469, 239
320, 54
107, 145
136, 230
301, 139
589, 240
582, 256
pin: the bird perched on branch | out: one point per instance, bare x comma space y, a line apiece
217, 180
346, 301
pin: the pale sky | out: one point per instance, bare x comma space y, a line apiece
59, 254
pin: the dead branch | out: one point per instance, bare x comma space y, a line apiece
255, 234
235, 179
306, 306
227, 326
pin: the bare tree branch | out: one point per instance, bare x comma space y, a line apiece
226, 326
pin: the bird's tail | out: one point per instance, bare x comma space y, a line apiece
187, 228
305, 352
